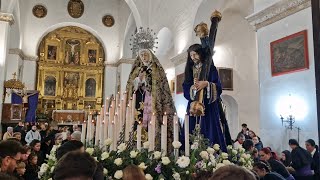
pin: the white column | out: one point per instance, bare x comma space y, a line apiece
125, 69
5, 21
109, 83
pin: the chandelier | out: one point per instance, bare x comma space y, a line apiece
143, 39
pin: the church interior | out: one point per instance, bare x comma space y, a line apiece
65, 60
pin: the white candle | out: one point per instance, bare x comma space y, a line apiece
83, 133
164, 133
186, 135
133, 108
128, 124
111, 124
97, 132
115, 133
139, 136
106, 126
175, 128
90, 128
151, 132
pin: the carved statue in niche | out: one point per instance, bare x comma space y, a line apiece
71, 84
50, 86
90, 88
72, 52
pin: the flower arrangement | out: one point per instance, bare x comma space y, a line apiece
158, 165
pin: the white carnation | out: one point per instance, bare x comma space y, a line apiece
157, 155
146, 145
142, 166
121, 147
118, 174
219, 165
165, 160
195, 146
176, 176
210, 150
224, 155
52, 169
216, 147
176, 144
90, 151
229, 147
226, 162
108, 142
204, 155
242, 160
148, 177
105, 172
133, 154
183, 161
234, 152
242, 150
118, 161
104, 155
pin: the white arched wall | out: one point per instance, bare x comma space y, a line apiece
126, 51
232, 114
165, 47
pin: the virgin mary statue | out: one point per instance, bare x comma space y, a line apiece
148, 80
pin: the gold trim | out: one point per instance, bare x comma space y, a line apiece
7, 17
13, 83
216, 14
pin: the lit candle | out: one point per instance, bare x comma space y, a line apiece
106, 126
175, 128
127, 124
164, 133
186, 135
111, 123
139, 136
151, 132
83, 133
97, 132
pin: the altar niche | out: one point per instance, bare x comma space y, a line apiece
70, 70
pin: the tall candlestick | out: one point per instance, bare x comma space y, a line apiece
164, 133
127, 124
175, 128
151, 132
186, 135
139, 136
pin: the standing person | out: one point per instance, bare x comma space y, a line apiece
245, 130
276, 165
35, 149
240, 139
18, 127
8, 134
257, 143
314, 150
33, 134
264, 171
10, 154
286, 158
301, 161
32, 168
43, 131
202, 86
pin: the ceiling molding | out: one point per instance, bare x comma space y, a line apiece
24, 57
276, 12
7, 17
179, 59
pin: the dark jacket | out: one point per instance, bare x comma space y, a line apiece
273, 176
315, 166
258, 146
278, 167
31, 173
300, 158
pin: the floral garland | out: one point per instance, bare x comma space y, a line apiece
156, 165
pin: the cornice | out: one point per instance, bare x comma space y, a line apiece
276, 12
24, 57
179, 59
119, 62
7, 17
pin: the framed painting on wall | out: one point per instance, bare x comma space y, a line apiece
180, 79
52, 52
16, 112
226, 78
289, 54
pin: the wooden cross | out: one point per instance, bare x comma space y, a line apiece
14, 75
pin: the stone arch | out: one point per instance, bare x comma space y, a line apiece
165, 42
135, 12
231, 114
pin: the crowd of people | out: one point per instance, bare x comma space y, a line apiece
25, 147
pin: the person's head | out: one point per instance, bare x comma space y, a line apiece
75, 127
241, 138
232, 172
261, 168
20, 123
21, 168
10, 153
255, 140
310, 145
75, 165
293, 143
68, 134
248, 145
17, 135
43, 127
33, 159
133, 172
201, 29
265, 154
76, 135
145, 56
9, 129
58, 138
25, 154
34, 128
244, 127
286, 157
252, 134
35, 145
195, 53
69, 146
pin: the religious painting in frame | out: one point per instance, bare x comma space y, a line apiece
92, 56
289, 54
52, 52
90, 87
179, 80
226, 78
50, 86
16, 110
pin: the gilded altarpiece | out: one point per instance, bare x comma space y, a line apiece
70, 70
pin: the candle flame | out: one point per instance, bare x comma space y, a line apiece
102, 105
92, 121
175, 113
107, 98
90, 113
84, 121
153, 114
165, 113
103, 122
125, 92
118, 92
